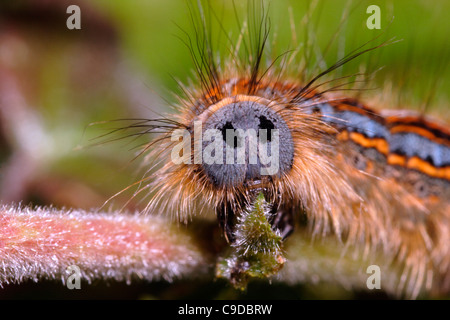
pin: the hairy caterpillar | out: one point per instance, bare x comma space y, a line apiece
373, 179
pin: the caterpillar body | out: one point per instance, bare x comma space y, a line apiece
373, 179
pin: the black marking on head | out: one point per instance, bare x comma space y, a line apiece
229, 126
268, 125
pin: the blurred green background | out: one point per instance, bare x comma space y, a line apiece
55, 82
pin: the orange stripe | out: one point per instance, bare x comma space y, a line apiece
343, 135
425, 167
378, 143
420, 165
396, 160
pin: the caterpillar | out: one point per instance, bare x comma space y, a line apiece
373, 179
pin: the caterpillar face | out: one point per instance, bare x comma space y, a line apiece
246, 128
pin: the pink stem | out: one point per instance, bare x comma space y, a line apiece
43, 243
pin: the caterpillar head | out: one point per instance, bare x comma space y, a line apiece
250, 142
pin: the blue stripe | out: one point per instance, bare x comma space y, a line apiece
411, 144
351, 121
407, 144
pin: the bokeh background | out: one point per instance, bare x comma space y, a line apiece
56, 85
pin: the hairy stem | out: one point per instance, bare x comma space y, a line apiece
43, 243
